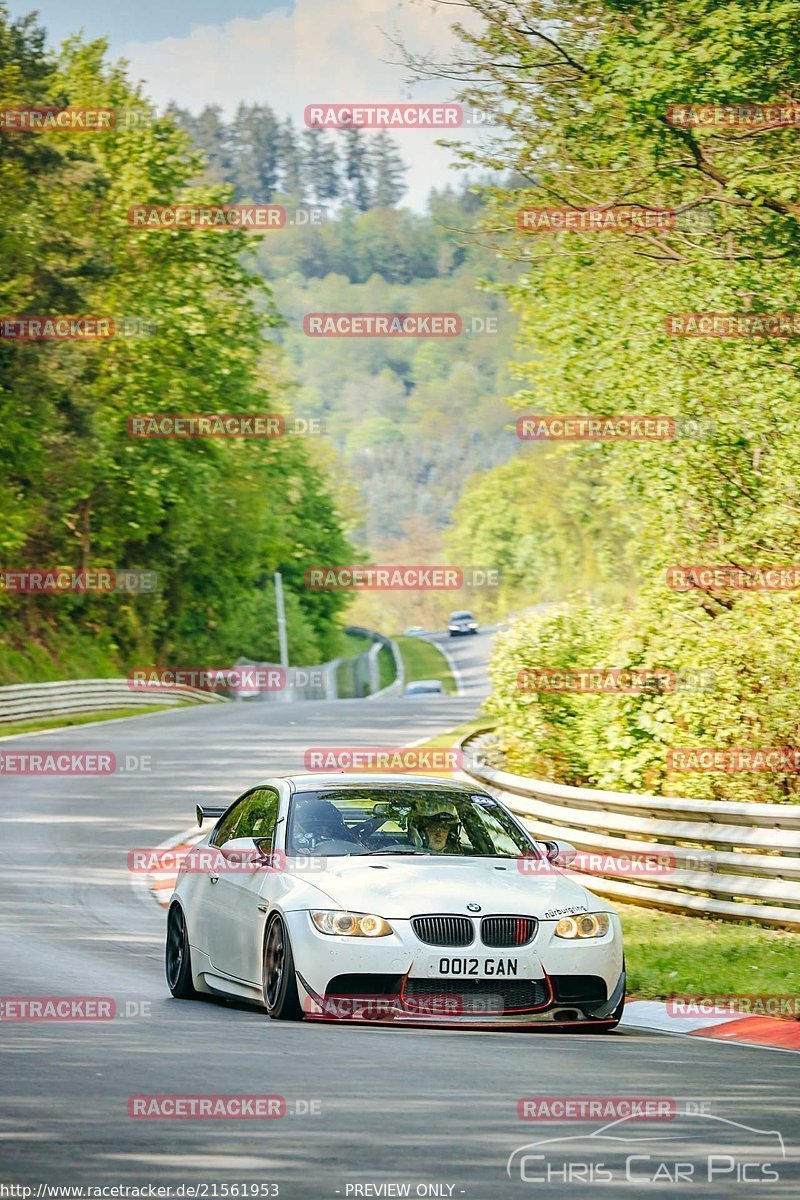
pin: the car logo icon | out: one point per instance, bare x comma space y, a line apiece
473, 908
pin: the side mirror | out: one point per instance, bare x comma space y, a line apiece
563, 852
247, 851
209, 810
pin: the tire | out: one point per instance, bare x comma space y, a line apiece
280, 985
177, 956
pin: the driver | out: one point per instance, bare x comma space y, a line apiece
437, 824
320, 821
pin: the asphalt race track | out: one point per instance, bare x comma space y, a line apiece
432, 1109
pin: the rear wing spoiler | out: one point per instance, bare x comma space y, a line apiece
211, 811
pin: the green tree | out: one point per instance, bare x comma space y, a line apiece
292, 174
321, 166
388, 172
212, 518
582, 95
356, 169
212, 138
256, 141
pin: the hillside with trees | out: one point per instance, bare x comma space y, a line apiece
265, 157
587, 98
212, 518
408, 421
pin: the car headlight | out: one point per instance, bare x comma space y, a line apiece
587, 925
349, 924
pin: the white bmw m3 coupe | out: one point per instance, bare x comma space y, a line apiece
391, 897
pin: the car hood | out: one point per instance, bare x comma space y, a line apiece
405, 887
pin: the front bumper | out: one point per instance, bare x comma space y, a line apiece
398, 978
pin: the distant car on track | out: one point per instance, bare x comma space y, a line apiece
413, 631
424, 687
461, 622
397, 897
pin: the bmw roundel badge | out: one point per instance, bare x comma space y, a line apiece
473, 908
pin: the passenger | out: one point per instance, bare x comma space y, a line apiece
317, 821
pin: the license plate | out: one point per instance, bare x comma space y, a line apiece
448, 967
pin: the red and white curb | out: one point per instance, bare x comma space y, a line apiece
161, 884
772, 1032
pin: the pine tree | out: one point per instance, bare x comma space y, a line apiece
356, 170
321, 166
292, 181
256, 144
182, 117
211, 135
387, 170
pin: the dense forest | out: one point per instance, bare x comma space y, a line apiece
212, 518
410, 421
600, 84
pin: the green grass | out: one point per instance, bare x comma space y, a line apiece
83, 719
67, 655
666, 953
460, 732
386, 668
351, 644
423, 660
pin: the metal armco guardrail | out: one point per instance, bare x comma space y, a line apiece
341, 678
728, 860
32, 701
378, 642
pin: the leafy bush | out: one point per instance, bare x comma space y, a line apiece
737, 687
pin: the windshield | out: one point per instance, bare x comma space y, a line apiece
386, 820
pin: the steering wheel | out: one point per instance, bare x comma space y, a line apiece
337, 846
368, 827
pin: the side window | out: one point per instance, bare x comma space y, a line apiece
258, 815
227, 826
